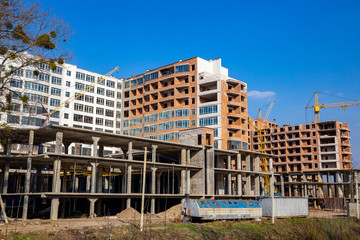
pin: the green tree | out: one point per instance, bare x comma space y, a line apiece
29, 36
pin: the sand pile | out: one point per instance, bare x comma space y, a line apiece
129, 214
173, 212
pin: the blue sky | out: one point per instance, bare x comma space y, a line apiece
285, 50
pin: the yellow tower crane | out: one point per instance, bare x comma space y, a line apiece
318, 106
258, 127
75, 96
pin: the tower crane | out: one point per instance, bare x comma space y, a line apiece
74, 97
318, 106
260, 136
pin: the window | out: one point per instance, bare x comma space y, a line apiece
154, 75
147, 78
55, 91
99, 121
89, 99
110, 83
166, 126
78, 118
67, 94
80, 76
182, 124
44, 66
192, 112
166, 114
58, 70
109, 113
216, 132
90, 78
67, 83
109, 103
132, 132
56, 80
78, 107
126, 123
193, 101
100, 91
139, 131
208, 109
109, 123
68, 73
166, 136
182, 68
100, 101
99, 111
79, 86
88, 119
193, 123
66, 115
37, 87
13, 119
44, 77
118, 95
110, 93
119, 86
133, 83
89, 109
54, 102
140, 81
135, 121
118, 104
16, 83
30, 74
127, 84
182, 112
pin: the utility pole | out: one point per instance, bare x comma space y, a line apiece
143, 192
357, 194
272, 191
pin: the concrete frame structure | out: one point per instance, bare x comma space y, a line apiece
186, 94
307, 147
64, 182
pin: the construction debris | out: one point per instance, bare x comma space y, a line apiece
129, 214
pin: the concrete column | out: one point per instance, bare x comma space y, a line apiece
290, 186
239, 185
329, 185
130, 150
228, 162
92, 207
257, 177
340, 193
188, 157
93, 177
183, 156
56, 177
238, 161
88, 184
305, 186
248, 176
282, 185
262, 183
99, 189
76, 184
128, 188
188, 190
6, 177
153, 189
95, 146
153, 153
320, 190
158, 181
229, 192
28, 175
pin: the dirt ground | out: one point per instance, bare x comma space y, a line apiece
128, 216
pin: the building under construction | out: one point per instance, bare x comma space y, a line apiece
57, 182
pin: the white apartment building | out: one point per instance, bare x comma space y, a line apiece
98, 109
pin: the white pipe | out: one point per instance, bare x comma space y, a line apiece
272, 191
357, 195
143, 192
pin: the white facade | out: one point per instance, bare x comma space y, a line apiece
98, 109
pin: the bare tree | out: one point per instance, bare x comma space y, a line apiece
29, 36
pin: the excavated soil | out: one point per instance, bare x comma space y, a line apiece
173, 212
129, 214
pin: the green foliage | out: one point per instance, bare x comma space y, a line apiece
19, 34
53, 34
9, 25
52, 65
24, 98
13, 56
3, 50
44, 41
60, 61
36, 72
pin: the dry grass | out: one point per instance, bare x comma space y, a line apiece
312, 229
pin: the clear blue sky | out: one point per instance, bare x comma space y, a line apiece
286, 50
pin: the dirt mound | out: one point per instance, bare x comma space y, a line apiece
129, 214
173, 212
